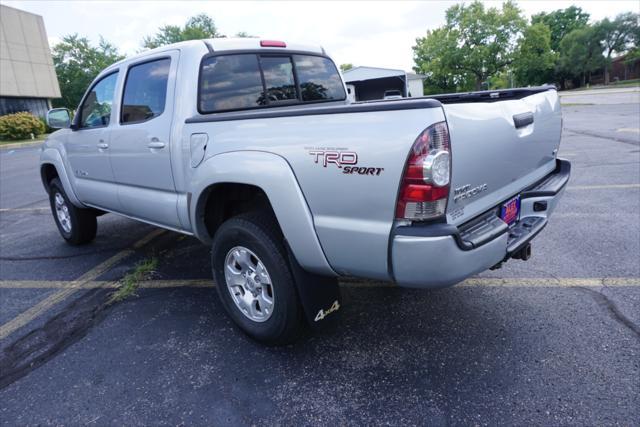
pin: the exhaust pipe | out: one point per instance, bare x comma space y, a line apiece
524, 254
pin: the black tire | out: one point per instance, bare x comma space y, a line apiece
260, 234
83, 223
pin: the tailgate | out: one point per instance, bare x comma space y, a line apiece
498, 149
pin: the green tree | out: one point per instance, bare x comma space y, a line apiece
77, 63
434, 58
561, 22
478, 43
345, 67
197, 27
534, 61
244, 35
581, 53
617, 36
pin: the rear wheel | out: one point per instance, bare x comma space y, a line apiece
254, 280
76, 225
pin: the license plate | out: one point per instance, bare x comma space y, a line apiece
510, 211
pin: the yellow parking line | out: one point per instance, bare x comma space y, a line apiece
603, 187
347, 283
25, 210
45, 284
75, 285
631, 130
553, 282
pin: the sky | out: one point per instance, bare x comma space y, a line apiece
371, 33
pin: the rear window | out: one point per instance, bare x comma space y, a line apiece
319, 78
247, 81
278, 78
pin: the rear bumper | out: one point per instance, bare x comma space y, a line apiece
440, 255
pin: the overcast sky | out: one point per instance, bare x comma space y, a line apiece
373, 33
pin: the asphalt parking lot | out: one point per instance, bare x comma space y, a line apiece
554, 341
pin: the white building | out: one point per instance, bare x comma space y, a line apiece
369, 83
27, 76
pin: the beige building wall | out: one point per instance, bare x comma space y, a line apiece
26, 67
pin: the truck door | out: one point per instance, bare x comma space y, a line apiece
140, 141
87, 145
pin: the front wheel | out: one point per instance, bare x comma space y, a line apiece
254, 280
76, 225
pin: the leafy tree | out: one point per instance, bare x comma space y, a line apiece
477, 43
197, 27
345, 67
434, 58
77, 63
244, 35
617, 36
502, 80
534, 61
561, 22
581, 53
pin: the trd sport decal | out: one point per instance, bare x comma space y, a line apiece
345, 160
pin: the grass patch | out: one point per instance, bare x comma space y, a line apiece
129, 283
635, 83
624, 83
39, 138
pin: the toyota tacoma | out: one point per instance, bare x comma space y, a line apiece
252, 147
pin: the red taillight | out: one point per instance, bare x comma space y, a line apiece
425, 184
272, 43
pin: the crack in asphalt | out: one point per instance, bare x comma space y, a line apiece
605, 136
49, 257
71, 324
614, 312
42, 344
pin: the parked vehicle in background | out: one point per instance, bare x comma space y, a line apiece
392, 94
252, 147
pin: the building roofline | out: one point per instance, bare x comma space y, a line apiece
374, 68
20, 10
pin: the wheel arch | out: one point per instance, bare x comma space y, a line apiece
52, 166
262, 178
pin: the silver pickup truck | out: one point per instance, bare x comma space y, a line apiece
252, 147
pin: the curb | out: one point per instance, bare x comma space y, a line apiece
21, 144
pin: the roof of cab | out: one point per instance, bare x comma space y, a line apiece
220, 44
254, 43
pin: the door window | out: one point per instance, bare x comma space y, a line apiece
145, 91
96, 108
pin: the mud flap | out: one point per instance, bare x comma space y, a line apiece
319, 295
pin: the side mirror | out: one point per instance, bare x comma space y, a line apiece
59, 118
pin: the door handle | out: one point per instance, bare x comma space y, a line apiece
103, 145
155, 144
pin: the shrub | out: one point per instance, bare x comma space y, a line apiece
47, 129
20, 126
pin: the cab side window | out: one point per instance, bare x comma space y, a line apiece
96, 108
145, 91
